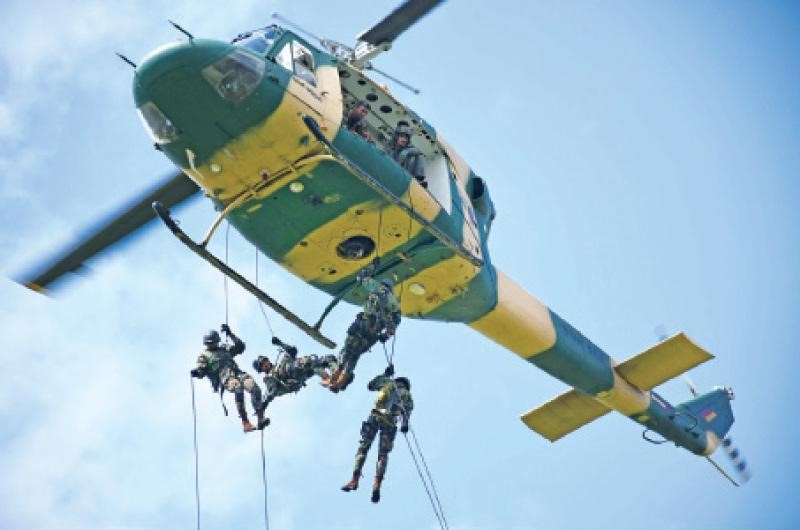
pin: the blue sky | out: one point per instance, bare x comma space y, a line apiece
644, 160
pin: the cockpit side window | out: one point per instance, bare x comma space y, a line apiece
258, 41
298, 59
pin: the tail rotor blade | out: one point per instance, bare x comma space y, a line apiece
738, 462
691, 385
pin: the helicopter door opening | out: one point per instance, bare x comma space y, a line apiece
383, 118
437, 175
298, 59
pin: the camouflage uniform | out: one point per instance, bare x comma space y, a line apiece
409, 157
381, 312
394, 401
291, 374
216, 362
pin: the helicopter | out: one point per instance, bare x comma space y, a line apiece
269, 150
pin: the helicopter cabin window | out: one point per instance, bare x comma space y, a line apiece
298, 59
258, 41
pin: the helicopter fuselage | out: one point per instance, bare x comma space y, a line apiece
324, 202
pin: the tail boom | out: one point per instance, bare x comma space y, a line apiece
527, 327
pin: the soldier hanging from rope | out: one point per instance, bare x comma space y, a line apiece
291, 372
393, 402
216, 362
378, 321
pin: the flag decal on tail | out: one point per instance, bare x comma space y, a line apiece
709, 414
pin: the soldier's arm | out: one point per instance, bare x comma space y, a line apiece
237, 347
408, 406
394, 318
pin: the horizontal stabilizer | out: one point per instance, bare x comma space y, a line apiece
562, 415
662, 362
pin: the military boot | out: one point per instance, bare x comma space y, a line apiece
325, 380
246, 425
376, 489
353, 484
263, 421
335, 379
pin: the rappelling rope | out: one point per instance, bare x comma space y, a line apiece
225, 276
196, 460
263, 454
436, 504
264, 480
260, 303
380, 229
433, 497
428, 473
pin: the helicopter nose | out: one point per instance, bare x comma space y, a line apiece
196, 96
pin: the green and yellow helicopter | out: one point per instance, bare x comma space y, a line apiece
258, 125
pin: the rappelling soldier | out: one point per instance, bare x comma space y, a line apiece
378, 321
408, 156
216, 362
291, 372
393, 402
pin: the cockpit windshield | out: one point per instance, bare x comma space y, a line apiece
259, 40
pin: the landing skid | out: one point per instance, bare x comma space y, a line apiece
200, 250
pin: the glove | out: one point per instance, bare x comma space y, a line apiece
389, 372
197, 372
383, 337
292, 351
225, 329
276, 341
404, 428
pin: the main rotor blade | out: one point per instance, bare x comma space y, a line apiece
173, 190
396, 22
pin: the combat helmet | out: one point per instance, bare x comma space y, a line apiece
211, 338
258, 360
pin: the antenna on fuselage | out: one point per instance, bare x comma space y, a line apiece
284, 20
126, 59
191, 37
368, 66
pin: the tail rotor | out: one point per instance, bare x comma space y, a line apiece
739, 463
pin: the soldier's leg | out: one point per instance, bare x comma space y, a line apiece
252, 387
355, 347
234, 386
385, 446
368, 431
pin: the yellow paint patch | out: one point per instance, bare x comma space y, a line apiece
712, 442
275, 144
35, 287
421, 201
316, 258
442, 281
519, 322
624, 397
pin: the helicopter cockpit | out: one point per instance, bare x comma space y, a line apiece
259, 40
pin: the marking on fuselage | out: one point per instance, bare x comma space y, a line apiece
519, 321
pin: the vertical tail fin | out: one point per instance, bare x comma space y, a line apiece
713, 408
